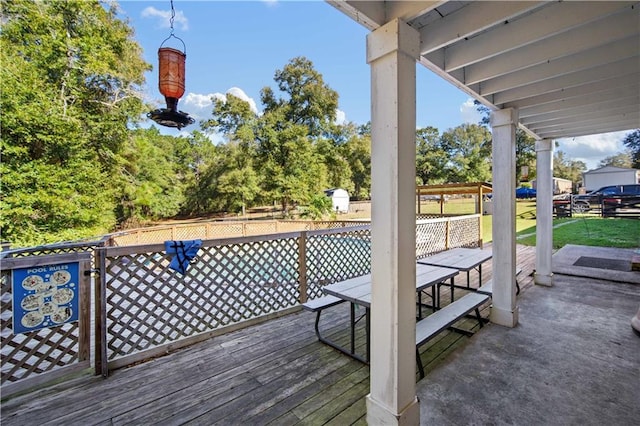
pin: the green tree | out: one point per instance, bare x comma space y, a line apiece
307, 100
621, 159
525, 145
632, 142
70, 82
286, 145
469, 150
319, 206
357, 152
337, 166
239, 183
525, 155
431, 158
151, 181
565, 168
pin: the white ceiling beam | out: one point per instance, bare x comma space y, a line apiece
605, 31
621, 95
601, 86
539, 25
609, 124
591, 130
598, 108
612, 115
369, 14
374, 14
611, 52
469, 20
580, 78
408, 10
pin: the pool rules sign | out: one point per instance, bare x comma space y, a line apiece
45, 296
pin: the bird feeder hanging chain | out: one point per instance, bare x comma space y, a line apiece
173, 15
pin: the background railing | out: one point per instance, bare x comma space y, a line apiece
624, 206
222, 229
142, 308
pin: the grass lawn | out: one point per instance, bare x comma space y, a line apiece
585, 230
525, 213
589, 231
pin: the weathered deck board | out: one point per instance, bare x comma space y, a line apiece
271, 373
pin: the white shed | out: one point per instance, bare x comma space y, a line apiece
339, 199
609, 175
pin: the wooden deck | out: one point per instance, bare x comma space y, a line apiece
273, 373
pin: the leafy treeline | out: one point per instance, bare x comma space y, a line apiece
71, 76
75, 162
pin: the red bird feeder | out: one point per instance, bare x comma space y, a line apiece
171, 84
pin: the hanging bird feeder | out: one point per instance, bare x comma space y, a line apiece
171, 73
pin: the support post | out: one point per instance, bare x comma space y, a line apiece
504, 310
544, 212
392, 51
302, 266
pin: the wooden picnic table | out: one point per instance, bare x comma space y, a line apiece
462, 259
357, 291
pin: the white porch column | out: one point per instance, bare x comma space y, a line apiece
504, 310
544, 212
392, 51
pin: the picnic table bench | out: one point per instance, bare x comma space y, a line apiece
431, 326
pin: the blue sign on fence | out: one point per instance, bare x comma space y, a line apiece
44, 296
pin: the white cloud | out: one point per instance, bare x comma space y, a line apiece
162, 18
593, 148
341, 117
200, 105
198, 100
239, 93
270, 3
469, 113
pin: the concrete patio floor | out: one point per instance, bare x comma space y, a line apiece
572, 360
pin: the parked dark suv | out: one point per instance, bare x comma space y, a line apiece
593, 200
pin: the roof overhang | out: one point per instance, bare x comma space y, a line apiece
571, 68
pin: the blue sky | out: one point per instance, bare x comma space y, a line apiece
236, 47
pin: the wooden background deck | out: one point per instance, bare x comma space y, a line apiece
276, 372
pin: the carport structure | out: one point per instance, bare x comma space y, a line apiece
554, 69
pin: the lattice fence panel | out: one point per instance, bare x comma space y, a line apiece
464, 232
125, 240
225, 229
294, 226
336, 257
192, 232
153, 235
430, 238
259, 228
424, 216
213, 230
149, 304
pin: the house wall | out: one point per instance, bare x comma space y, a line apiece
598, 179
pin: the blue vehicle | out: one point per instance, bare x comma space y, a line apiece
524, 192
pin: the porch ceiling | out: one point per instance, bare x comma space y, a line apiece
571, 68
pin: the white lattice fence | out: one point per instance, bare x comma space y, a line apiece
260, 227
335, 256
222, 229
464, 231
149, 305
436, 235
431, 236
